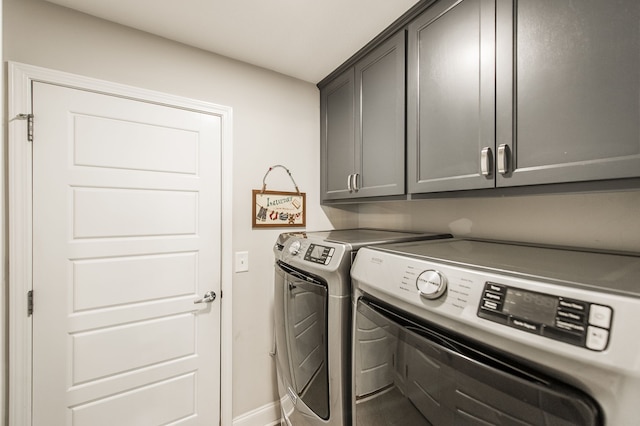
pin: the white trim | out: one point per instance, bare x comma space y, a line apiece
267, 415
3, 252
20, 80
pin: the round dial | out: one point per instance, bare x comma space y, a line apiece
431, 284
294, 248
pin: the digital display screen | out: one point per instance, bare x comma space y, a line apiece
317, 252
535, 307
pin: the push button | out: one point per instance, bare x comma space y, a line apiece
572, 304
568, 315
492, 296
600, 316
597, 338
496, 288
491, 305
570, 326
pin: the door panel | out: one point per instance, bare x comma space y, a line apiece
451, 84
337, 136
380, 133
173, 396
126, 217
568, 90
118, 144
98, 212
100, 283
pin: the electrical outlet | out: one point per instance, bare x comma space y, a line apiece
242, 261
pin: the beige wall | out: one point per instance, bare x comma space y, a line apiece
275, 121
607, 220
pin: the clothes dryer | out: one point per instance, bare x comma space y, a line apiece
312, 309
476, 332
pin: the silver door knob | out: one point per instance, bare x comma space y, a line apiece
209, 296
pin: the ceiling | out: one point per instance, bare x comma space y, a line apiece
305, 39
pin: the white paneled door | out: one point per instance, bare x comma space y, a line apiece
126, 237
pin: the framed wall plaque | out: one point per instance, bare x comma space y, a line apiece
278, 209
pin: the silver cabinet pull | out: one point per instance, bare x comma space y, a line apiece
485, 161
356, 176
349, 187
209, 297
503, 159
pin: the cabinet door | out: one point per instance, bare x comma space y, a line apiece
380, 124
568, 94
451, 96
337, 148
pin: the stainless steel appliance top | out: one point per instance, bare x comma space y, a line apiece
357, 237
605, 272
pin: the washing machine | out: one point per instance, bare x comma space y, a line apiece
471, 332
312, 310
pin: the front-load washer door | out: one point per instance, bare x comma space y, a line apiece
409, 372
305, 330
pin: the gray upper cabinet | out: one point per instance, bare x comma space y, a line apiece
568, 91
363, 126
451, 97
511, 93
499, 93
337, 136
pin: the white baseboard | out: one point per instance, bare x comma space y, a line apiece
267, 415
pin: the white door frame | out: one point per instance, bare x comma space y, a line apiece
20, 190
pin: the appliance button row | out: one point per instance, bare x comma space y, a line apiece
599, 325
571, 323
329, 256
493, 297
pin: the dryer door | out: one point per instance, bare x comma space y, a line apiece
301, 330
410, 372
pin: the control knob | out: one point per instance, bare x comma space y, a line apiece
431, 284
294, 248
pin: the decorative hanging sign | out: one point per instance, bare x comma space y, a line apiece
278, 208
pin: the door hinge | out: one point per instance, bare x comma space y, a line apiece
29, 118
30, 303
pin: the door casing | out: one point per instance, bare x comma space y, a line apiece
19, 160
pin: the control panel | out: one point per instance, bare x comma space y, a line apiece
571, 321
319, 254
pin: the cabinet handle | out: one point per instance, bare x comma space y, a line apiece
485, 161
503, 159
356, 176
349, 187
